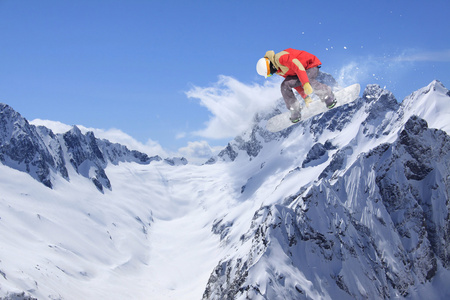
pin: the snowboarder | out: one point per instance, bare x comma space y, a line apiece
300, 70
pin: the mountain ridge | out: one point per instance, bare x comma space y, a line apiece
348, 204
39, 152
387, 129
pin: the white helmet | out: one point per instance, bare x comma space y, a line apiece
263, 67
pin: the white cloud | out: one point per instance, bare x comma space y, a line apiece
55, 126
180, 135
386, 69
198, 152
233, 105
113, 135
431, 56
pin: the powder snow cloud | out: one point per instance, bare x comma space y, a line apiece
233, 104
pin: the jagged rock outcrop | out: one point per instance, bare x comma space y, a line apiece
176, 161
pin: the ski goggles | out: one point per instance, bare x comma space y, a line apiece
268, 67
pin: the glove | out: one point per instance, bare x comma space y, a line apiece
307, 88
308, 100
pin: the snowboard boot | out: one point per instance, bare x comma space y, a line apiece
295, 112
330, 103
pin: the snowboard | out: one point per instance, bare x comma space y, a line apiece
343, 96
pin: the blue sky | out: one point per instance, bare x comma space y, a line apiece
179, 73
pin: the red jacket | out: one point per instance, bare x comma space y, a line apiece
292, 62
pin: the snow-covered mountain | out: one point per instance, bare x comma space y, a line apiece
350, 204
41, 153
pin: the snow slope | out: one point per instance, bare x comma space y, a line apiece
145, 238
350, 204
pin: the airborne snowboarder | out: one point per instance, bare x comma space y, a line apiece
300, 70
